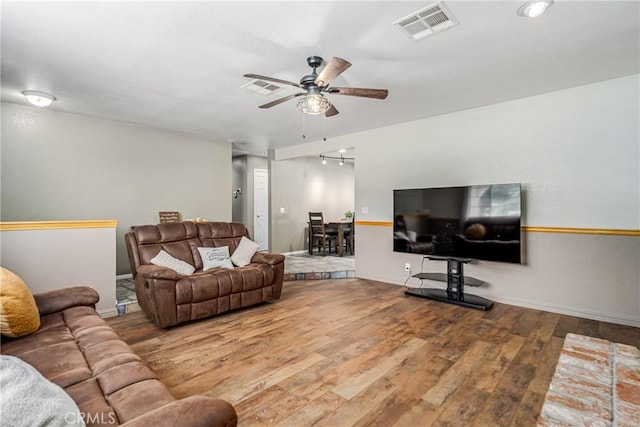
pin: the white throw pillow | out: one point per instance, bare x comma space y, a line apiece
163, 259
244, 252
215, 257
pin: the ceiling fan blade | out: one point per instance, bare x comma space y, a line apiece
334, 68
365, 93
281, 100
272, 79
331, 111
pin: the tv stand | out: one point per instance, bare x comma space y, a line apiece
454, 294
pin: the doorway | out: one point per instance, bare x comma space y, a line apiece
261, 208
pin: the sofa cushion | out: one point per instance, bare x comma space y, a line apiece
177, 239
218, 234
19, 314
139, 398
66, 368
244, 252
222, 283
166, 233
163, 259
91, 400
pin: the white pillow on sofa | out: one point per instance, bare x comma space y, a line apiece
163, 259
215, 257
244, 252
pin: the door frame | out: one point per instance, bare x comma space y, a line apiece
256, 194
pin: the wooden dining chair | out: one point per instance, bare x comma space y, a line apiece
349, 236
319, 234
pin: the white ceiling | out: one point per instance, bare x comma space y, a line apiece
180, 66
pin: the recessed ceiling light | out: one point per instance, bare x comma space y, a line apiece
534, 8
39, 99
342, 150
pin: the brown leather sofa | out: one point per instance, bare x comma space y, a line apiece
169, 298
75, 349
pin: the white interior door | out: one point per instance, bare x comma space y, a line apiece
261, 208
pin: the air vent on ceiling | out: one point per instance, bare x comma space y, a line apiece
262, 87
427, 21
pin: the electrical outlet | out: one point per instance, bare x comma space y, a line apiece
407, 266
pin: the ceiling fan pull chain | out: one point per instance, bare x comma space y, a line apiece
324, 123
303, 127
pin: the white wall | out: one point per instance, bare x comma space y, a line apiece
304, 185
48, 259
59, 166
575, 151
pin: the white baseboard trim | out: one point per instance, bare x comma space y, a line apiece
570, 311
295, 253
124, 276
550, 307
108, 312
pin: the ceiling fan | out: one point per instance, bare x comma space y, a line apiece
313, 101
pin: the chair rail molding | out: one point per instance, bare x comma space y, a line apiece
56, 225
535, 229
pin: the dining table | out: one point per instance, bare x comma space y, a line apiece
339, 226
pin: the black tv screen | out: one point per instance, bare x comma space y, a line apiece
480, 222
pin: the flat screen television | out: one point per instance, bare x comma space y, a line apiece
479, 222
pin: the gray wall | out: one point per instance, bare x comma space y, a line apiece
239, 180
58, 166
243, 167
46, 268
577, 154
306, 185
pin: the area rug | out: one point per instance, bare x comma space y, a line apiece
596, 383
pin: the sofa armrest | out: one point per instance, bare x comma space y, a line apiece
267, 258
61, 299
190, 411
156, 272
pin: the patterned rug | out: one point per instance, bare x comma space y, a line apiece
596, 383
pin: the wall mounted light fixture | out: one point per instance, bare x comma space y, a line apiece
237, 193
39, 99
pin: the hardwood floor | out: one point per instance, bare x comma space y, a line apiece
360, 353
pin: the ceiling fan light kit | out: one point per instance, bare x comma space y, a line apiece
315, 85
314, 103
534, 8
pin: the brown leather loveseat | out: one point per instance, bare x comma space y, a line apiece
169, 298
75, 349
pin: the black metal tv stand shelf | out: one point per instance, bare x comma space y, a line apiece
454, 294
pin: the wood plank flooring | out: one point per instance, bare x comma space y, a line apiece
360, 353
